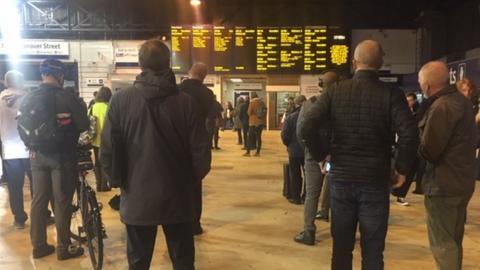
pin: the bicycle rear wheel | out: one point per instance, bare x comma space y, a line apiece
76, 223
92, 224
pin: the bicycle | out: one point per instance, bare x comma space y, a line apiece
86, 225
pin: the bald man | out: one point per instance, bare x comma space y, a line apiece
194, 87
448, 143
364, 114
206, 101
328, 79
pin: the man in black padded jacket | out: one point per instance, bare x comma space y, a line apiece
364, 113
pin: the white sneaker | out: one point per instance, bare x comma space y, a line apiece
402, 201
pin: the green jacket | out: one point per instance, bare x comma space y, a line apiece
448, 144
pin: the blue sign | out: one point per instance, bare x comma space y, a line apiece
469, 68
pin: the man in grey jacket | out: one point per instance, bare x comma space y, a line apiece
448, 143
314, 178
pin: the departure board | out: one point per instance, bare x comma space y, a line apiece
268, 53
271, 50
315, 49
223, 41
291, 49
202, 45
339, 48
244, 53
181, 40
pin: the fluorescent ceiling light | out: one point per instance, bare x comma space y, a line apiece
195, 3
236, 80
10, 28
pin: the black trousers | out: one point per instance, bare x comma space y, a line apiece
141, 244
216, 137
296, 180
101, 179
198, 204
403, 190
239, 134
255, 138
245, 129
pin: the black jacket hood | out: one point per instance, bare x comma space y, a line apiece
156, 84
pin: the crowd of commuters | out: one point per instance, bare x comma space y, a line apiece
356, 143
363, 140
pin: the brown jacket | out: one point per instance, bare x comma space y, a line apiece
254, 120
448, 142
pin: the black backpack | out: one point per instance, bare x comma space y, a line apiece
37, 120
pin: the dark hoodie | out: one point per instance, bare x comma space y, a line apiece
154, 131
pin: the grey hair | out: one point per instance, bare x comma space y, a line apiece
14, 79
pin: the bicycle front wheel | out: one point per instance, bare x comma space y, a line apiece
92, 224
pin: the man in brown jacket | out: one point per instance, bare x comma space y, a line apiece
257, 112
448, 142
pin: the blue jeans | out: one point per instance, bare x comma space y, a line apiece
365, 204
15, 171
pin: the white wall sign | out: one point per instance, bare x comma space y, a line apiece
40, 47
126, 55
91, 82
248, 86
309, 85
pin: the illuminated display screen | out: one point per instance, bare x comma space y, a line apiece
244, 53
181, 40
202, 45
315, 49
223, 41
291, 49
296, 50
339, 48
268, 53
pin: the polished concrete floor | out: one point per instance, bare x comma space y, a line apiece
248, 224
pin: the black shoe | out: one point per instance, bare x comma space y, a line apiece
43, 251
257, 154
115, 202
198, 230
247, 154
71, 252
217, 148
19, 225
293, 201
306, 238
322, 216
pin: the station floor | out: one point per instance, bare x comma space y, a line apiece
248, 224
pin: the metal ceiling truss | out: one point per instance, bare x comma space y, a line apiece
69, 17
